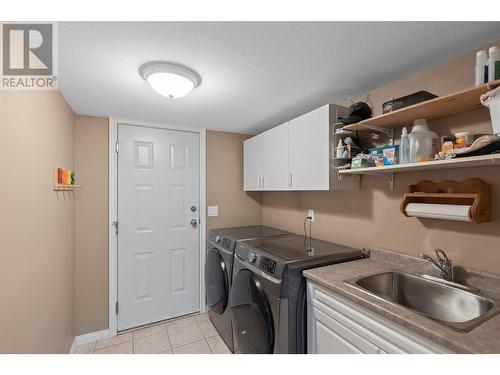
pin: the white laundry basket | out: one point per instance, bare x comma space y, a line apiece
492, 100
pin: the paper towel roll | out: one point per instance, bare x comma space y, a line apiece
439, 211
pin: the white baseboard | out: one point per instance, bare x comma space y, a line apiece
92, 336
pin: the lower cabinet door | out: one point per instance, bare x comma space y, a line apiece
327, 336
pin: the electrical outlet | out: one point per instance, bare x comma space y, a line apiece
310, 213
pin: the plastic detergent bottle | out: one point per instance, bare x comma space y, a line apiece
340, 149
421, 142
404, 147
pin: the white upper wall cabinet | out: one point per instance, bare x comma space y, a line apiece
308, 150
275, 151
252, 163
297, 155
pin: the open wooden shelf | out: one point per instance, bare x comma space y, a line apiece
466, 162
56, 186
66, 187
458, 102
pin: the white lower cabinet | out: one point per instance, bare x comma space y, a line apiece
329, 336
336, 325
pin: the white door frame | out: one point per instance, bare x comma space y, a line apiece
113, 203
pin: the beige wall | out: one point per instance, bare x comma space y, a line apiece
91, 224
371, 216
225, 183
37, 289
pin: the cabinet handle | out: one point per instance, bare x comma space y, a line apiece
290, 180
262, 182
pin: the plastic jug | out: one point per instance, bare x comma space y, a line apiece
421, 142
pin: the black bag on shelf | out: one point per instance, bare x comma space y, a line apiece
406, 101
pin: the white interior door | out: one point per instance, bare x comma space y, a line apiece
158, 216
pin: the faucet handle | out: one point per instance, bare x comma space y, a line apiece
441, 255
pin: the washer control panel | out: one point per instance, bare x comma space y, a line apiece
222, 241
258, 260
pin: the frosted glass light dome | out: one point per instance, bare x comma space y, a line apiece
170, 79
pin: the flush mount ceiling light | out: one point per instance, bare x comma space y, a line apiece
170, 79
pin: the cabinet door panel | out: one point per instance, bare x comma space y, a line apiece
275, 158
309, 150
331, 337
252, 163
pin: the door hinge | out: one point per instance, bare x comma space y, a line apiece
117, 307
117, 146
115, 224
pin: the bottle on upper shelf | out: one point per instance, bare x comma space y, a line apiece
340, 149
404, 147
493, 63
481, 69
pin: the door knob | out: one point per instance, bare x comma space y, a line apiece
194, 223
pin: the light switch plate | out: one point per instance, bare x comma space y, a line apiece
213, 211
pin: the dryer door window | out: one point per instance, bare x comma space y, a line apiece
252, 317
216, 281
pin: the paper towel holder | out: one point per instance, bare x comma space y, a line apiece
473, 192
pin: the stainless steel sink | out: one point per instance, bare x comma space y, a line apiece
454, 307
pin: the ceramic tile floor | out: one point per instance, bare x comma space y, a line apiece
186, 335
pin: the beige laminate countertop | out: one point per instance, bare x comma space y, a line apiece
485, 338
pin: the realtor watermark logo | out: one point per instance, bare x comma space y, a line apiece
28, 56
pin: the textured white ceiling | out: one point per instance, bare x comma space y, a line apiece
254, 74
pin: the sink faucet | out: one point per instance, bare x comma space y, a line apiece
444, 266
